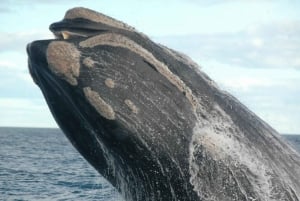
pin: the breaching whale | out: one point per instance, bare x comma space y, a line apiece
151, 122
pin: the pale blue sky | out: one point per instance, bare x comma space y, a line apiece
250, 48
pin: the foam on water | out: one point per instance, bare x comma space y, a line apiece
219, 141
40, 164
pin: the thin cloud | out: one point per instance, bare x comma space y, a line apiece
4, 10
274, 45
9, 3
276, 106
21, 111
17, 41
216, 2
19, 103
17, 83
239, 79
8, 65
273, 94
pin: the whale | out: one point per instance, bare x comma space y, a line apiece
151, 122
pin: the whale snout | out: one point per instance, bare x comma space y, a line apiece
58, 58
37, 62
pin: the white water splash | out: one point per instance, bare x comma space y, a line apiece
227, 146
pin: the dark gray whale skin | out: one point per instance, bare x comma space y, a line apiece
151, 122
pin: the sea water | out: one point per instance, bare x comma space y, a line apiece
40, 164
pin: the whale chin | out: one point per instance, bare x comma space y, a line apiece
151, 122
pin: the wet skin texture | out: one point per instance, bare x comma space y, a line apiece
151, 122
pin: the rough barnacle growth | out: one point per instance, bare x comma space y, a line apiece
131, 106
118, 40
225, 153
89, 62
64, 60
96, 17
99, 104
110, 83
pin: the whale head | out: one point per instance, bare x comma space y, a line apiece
118, 104
154, 125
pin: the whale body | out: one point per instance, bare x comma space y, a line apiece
151, 122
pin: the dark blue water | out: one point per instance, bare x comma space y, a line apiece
40, 164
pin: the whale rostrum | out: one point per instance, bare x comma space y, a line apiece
151, 122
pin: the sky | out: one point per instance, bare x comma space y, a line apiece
250, 48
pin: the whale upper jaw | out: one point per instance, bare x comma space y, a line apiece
83, 22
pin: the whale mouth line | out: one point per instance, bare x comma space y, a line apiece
41, 76
47, 82
73, 33
70, 30
66, 34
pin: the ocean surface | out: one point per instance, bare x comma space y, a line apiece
40, 164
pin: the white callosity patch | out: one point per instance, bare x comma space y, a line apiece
64, 60
131, 106
89, 62
228, 152
117, 40
99, 104
110, 83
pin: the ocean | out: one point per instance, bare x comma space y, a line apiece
41, 164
